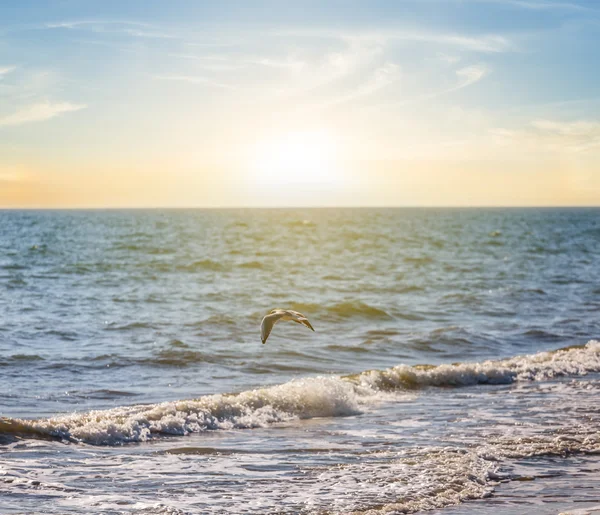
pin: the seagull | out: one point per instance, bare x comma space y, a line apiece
278, 314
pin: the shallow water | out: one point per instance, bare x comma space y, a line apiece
147, 316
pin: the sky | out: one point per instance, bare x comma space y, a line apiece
275, 103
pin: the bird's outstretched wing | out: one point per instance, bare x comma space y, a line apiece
278, 314
301, 319
268, 322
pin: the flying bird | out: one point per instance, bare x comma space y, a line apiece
278, 314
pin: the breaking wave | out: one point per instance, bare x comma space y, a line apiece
305, 398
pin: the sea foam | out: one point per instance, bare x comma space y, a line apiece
298, 399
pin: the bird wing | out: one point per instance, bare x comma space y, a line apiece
268, 322
299, 318
304, 321
278, 314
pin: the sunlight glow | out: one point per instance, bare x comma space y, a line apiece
299, 159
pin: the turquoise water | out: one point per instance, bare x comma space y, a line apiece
117, 329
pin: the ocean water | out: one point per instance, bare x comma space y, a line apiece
454, 365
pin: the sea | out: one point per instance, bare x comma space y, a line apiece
454, 367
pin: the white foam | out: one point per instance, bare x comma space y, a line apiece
300, 399
574, 361
304, 398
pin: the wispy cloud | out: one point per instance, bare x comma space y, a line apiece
212, 44
82, 23
485, 43
383, 76
334, 67
194, 79
211, 62
470, 75
6, 69
289, 64
477, 43
574, 137
541, 5
448, 59
467, 76
131, 28
146, 34
39, 112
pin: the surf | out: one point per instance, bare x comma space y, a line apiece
304, 398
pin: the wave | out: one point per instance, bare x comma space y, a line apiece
540, 334
353, 309
257, 265
303, 398
331, 396
113, 326
418, 260
179, 344
20, 358
143, 248
349, 348
179, 354
410, 288
347, 309
106, 393
218, 319
204, 264
333, 277
177, 358
570, 361
13, 266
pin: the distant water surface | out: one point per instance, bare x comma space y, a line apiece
127, 312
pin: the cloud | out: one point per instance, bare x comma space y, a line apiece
478, 43
131, 28
574, 137
485, 43
4, 70
448, 59
146, 34
575, 129
467, 76
541, 5
577, 136
83, 23
226, 63
337, 66
213, 63
470, 75
382, 77
39, 112
290, 64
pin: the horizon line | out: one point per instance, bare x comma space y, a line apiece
214, 208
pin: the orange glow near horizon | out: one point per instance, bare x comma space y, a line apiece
395, 183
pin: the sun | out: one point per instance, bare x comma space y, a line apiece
297, 159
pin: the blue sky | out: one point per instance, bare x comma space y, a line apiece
197, 87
